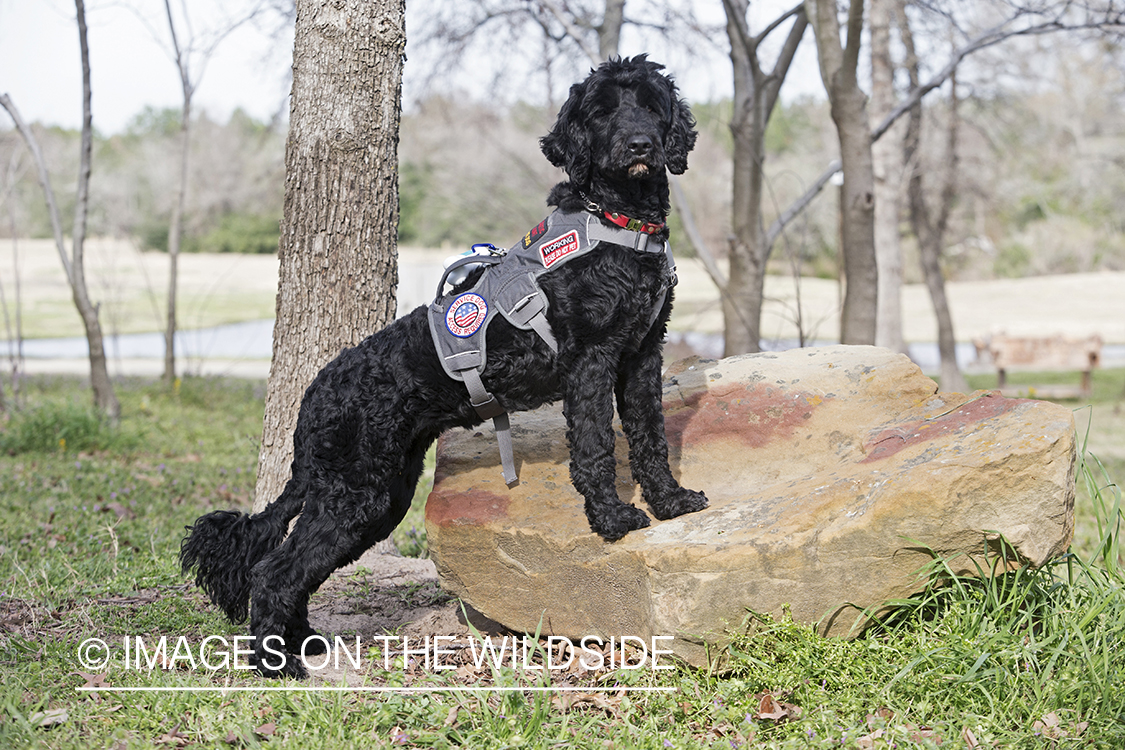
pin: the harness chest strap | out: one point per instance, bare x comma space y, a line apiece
458, 323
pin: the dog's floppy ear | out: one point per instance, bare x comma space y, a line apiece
568, 144
681, 134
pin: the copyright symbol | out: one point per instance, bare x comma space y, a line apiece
93, 654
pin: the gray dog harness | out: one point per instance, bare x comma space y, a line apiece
458, 321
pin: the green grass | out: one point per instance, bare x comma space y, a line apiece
89, 531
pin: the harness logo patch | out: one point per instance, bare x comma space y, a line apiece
466, 315
530, 238
557, 249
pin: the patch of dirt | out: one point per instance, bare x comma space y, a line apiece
389, 602
386, 595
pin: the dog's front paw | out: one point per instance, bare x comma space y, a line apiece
307, 641
678, 503
274, 665
613, 522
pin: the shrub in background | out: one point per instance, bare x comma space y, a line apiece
57, 426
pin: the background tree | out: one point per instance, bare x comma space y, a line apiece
756, 90
1016, 21
200, 48
930, 226
838, 68
105, 399
338, 256
887, 162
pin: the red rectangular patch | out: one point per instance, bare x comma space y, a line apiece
557, 249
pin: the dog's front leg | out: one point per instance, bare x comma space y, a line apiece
642, 418
588, 405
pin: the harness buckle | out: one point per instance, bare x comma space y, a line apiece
488, 409
489, 248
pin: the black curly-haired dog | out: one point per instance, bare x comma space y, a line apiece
368, 418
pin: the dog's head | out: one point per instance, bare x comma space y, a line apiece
626, 121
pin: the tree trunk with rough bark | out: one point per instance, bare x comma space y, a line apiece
609, 31
746, 281
886, 154
337, 254
848, 106
755, 95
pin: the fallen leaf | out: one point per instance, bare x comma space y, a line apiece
467, 672
173, 738
883, 713
50, 718
266, 730
567, 701
970, 739
1050, 726
925, 733
771, 709
93, 680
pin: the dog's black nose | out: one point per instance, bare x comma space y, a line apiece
640, 145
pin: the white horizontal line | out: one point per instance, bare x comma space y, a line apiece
375, 689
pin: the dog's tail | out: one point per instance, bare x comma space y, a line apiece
222, 547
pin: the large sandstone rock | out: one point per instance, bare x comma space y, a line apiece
831, 472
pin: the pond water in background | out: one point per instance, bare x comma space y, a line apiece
254, 340
250, 340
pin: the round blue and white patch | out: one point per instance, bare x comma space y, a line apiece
466, 314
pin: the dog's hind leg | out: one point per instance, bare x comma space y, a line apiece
588, 406
642, 418
282, 582
335, 529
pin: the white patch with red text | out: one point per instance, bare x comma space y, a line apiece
466, 315
557, 249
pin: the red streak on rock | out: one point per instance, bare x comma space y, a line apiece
468, 507
754, 415
894, 439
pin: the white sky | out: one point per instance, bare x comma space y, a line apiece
130, 68
40, 68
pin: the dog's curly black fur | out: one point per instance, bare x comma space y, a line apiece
368, 418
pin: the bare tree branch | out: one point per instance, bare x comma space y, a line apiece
785, 58
695, 237
572, 31
799, 205
800, 8
44, 181
1110, 20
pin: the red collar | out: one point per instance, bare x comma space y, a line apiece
633, 225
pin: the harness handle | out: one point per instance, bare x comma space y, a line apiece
468, 260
